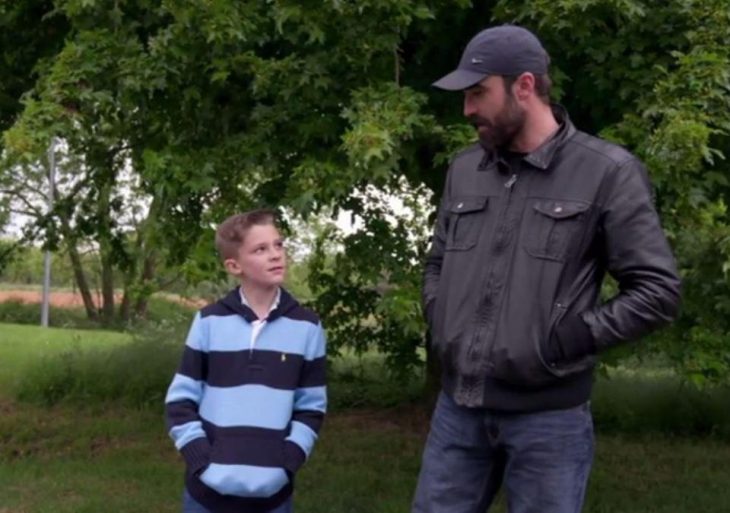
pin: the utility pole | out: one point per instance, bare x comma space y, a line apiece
47, 258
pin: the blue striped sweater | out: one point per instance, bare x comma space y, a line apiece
244, 417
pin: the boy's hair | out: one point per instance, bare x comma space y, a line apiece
231, 232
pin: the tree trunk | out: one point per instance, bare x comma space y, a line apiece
79, 274
106, 251
137, 287
148, 272
124, 306
107, 289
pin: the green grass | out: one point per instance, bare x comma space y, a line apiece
67, 458
94, 368
22, 346
137, 374
643, 405
118, 459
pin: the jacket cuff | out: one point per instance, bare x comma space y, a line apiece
574, 338
196, 455
294, 456
428, 312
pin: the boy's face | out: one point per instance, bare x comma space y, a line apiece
261, 258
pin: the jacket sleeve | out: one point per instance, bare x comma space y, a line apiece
183, 399
638, 256
310, 403
435, 257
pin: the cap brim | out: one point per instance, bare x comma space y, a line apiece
459, 79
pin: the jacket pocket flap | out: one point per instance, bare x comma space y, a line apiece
560, 209
464, 204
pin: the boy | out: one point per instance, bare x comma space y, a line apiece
247, 402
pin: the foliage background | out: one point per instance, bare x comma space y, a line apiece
172, 114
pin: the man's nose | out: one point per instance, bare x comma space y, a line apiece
469, 108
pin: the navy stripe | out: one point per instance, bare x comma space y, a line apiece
299, 313
285, 371
213, 432
246, 445
214, 501
314, 373
311, 418
258, 367
181, 412
248, 450
194, 364
215, 309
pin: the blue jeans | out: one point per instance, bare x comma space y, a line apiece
542, 459
190, 505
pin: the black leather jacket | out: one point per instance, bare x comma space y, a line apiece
519, 252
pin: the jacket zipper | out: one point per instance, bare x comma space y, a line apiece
509, 185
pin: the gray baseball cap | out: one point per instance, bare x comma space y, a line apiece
504, 50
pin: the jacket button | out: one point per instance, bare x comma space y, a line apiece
459, 205
558, 210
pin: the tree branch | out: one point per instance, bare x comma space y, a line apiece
25, 212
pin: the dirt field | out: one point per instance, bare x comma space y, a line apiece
58, 299
72, 300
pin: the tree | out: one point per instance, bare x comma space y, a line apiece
196, 109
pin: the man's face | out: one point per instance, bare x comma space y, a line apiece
494, 112
261, 260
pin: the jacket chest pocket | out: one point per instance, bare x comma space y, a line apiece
552, 227
466, 216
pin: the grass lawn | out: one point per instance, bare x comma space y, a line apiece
66, 459
21, 345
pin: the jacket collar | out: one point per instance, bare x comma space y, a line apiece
542, 156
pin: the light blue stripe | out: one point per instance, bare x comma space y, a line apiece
303, 436
244, 480
317, 347
285, 335
228, 333
196, 336
186, 433
311, 398
184, 388
233, 333
247, 405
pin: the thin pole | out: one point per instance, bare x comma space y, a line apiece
47, 257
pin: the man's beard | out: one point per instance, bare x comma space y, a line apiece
507, 124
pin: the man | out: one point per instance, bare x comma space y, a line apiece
531, 219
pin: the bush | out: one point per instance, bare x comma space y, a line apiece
347, 390
660, 405
18, 312
160, 310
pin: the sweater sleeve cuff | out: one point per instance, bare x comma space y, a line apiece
196, 454
575, 339
294, 456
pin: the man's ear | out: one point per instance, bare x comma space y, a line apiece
524, 86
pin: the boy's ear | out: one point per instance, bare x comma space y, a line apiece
232, 266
